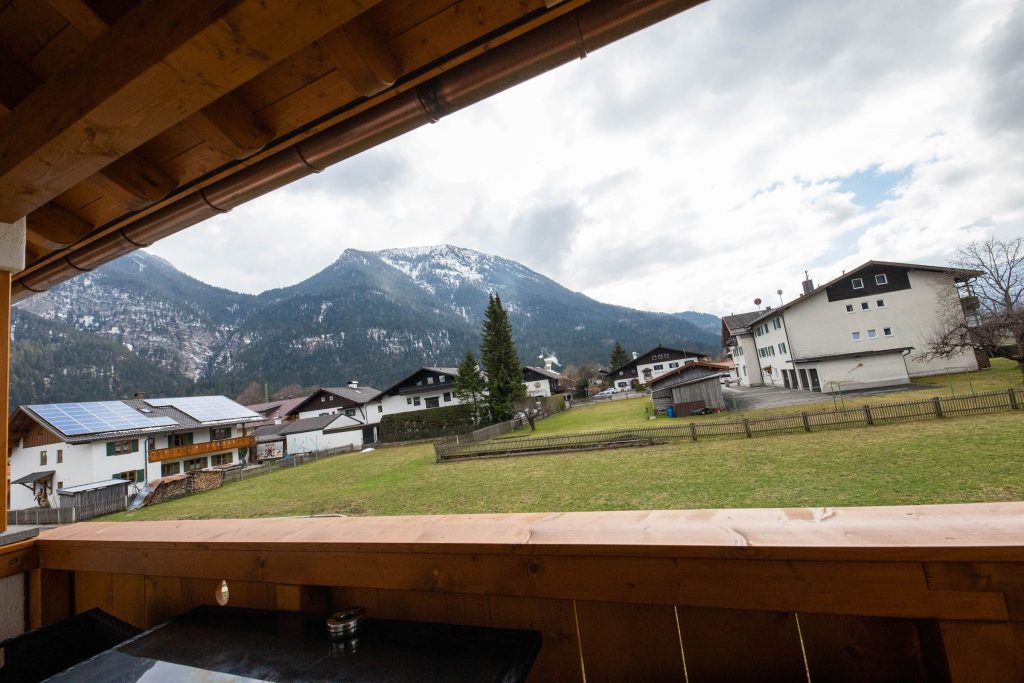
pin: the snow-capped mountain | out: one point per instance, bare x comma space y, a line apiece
369, 315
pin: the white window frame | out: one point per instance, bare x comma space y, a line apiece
850, 308
854, 281
865, 305
782, 347
881, 279
777, 323
855, 336
890, 333
873, 334
879, 303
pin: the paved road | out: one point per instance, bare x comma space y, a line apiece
755, 398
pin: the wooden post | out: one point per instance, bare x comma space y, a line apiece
1013, 399
746, 427
807, 425
867, 416
693, 430
938, 406
5, 389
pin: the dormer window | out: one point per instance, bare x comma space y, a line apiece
857, 283
881, 279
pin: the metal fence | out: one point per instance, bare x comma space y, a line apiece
284, 463
864, 416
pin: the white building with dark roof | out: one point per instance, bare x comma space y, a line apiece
646, 366
136, 440
427, 387
864, 329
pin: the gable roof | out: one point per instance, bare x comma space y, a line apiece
357, 396
278, 408
441, 371
640, 357
309, 424
740, 322
685, 368
542, 371
958, 274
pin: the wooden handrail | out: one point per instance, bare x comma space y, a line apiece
175, 452
899, 590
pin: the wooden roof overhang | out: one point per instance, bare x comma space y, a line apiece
125, 121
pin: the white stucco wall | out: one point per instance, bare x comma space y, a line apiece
400, 404
318, 441
846, 374
538, 388
747, 367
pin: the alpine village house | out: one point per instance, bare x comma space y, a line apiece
863, 329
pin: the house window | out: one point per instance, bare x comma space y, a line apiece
881, 279
131, 475
744, 370
857, 283
323, 399
623, 384
408, 401
782, 347
430, 380
222, 459
777, 323
194, 464
659, 367
167, 469
872, 334
380, 409
60, 485
323, 414
220, 433
416, 401
864, 305
855, 336
673, 365
122, 447
60, 456
42, 457
350, 412
880, 303
849, 308
183, 439
433, 402
441, 379
887, 331
447, 397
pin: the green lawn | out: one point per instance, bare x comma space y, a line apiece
634, 412
969, 459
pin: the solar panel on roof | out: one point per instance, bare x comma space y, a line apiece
206, 408
73, 419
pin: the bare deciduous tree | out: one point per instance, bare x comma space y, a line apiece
987, 312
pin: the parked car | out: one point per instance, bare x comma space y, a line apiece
606, 393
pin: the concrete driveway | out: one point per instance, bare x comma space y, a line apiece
756, 398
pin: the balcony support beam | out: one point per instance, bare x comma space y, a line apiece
12, 259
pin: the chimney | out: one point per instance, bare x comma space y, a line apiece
635, 355
808, 283
139, 395
353, 384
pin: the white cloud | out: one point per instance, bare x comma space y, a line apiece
692, 166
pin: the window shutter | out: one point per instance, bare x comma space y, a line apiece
135, 445
110, 448
140, 475
188, 438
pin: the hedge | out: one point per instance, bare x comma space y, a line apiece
427, 424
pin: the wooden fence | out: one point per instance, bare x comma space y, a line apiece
864, 416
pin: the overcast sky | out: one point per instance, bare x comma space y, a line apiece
698, 164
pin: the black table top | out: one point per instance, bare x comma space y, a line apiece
215, 644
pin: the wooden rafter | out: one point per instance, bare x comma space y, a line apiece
227, 124
159, 64
51, 227
361, 57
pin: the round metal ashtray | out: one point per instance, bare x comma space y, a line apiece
343, 624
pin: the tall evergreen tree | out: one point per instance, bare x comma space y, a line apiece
619, 357
501, 362
470, 384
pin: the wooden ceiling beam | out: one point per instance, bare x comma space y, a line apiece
155, 67
227, 124
231, 128
361, 56
53, 227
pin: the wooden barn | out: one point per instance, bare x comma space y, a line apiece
692, 386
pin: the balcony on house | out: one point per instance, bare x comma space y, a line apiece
205, 448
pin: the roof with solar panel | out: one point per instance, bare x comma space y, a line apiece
89, 421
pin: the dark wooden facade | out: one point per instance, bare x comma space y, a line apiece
897, 278
663, 389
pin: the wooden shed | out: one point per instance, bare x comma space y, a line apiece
702, 392
662, 388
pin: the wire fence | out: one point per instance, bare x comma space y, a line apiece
808, 421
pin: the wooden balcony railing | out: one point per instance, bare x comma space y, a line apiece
915, 593
175, 452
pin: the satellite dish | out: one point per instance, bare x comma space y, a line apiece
779, 292
757, 302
